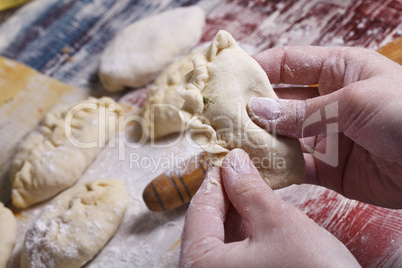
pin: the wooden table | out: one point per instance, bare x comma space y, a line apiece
64, 39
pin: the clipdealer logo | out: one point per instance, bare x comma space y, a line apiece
108, 123
331, 155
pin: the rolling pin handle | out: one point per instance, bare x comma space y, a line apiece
177, 186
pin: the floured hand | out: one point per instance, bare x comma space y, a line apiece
351, 129
236, 220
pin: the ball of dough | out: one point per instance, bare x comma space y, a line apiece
216, 93
138, 53
161, 110
76, 225
8, 234
47, 162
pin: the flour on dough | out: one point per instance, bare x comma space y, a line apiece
138, 53
216, 93
8, 234
47, 162
76, 225
161, 110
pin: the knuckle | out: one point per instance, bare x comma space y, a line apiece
293, 115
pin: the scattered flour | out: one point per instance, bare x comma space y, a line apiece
211, 182
42, 246
288, 70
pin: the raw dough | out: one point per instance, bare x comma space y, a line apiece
76, 225
139, 52
47, 162
8, 234
216, 93
161, 110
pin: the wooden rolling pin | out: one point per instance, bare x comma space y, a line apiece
176, 187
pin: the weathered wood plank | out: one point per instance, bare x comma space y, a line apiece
372, 234
325, 23
64, 39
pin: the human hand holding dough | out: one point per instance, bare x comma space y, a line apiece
236, 220
216, 93
351, 126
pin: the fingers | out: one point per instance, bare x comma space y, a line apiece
363, 111
296, 118
206, 213
236, 228
283, 65
280, 234
247, 191
334, 112
332, 68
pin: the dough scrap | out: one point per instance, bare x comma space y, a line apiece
161, 110
76, 225
46, 162
216, 94
138, 53
8, 234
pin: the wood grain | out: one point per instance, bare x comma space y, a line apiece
177, 186
393, 50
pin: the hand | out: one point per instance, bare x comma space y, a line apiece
362, 92
236, 220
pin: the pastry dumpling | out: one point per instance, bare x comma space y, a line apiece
216, 93
8, 234
138, 53
76, 225
161, 110
47, 162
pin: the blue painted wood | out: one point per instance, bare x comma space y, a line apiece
66, 39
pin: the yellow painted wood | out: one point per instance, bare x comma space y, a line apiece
7, 4
25, 96
393, 50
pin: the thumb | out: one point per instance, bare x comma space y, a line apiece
297, 118
247, 191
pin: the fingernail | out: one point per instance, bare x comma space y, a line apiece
264, 108
240, 162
